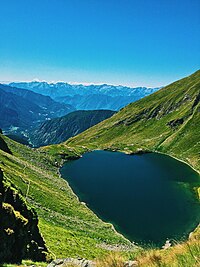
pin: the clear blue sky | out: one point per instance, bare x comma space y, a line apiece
131, 42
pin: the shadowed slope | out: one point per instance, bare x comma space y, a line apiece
60, 129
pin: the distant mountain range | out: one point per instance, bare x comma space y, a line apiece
88, 97
59, 130
97, 101
24, 108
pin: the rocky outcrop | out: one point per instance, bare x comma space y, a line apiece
83, 263
175, 123
71, 262
3, 145
19, 233
196, 101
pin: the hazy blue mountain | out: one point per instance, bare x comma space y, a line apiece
17, 111
88, 97
21, 109
56, 109
97, 101
60, 129
63, 89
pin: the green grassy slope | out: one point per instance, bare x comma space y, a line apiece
167, 121
58, 130
68, 226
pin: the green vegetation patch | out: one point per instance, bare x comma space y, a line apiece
69, 228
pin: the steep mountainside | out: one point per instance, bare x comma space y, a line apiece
68, 227
167, 121
22, 109
88, 97
60, 129
20, 237
17, 111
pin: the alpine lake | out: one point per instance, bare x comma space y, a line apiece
149, 198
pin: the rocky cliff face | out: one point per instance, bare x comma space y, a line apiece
19, 233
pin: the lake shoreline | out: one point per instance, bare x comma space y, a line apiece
125, 152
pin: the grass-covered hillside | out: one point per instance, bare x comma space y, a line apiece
167, 121
58, 130
69, 228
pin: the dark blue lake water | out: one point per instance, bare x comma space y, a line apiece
148, 198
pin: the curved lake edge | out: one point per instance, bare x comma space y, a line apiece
139, 152
132, 244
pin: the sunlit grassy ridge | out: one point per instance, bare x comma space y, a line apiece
68, 226
167, 121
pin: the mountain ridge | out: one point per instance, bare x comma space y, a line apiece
21, 109
71, 89
166, 121
39, 99
88, 97
58, 130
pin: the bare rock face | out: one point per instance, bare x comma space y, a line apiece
19, 233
